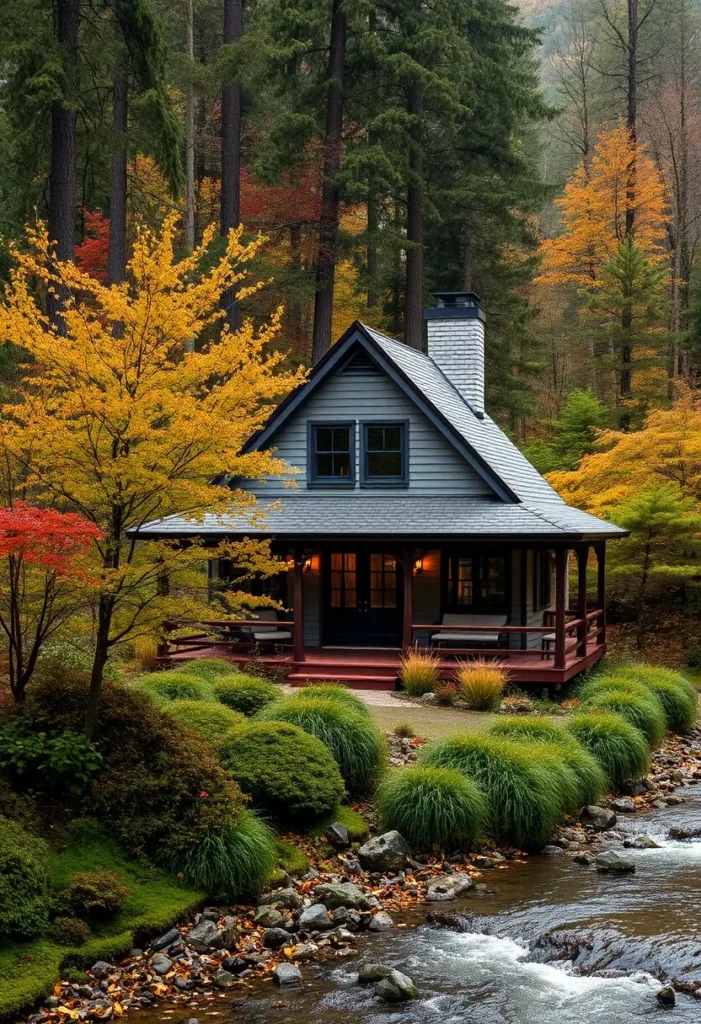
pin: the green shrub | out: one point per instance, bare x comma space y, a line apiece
678, 697
432, 807
286, 772
523, 797
642, 710
209, 669
360, 749
291, 859
618, 746
337, 692
419, 672
352, 821
17, 806
70, 931
481, 683
165, 686
97, 893
605, 682
24, 882
213, 720
231, 865
245, 694
405, 730
66, 761
60, 659
693, 657
532, 727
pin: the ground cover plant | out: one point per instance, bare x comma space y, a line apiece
419, 672
432, 807
676, 694
213, 720
642, 710
24, 882
337, 692
620, 748
242, 693
352, 820
481, 683
165, 686
288, 773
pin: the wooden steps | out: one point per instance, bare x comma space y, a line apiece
361, 674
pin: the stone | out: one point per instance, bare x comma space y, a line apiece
211, 914
275, 938
341, 937
160, 963
304, 951
673, 801
86, 992
229, 932
396, 988
624, 805
585, 859
441, 890
205, 936
351, 866
222, 979
645, 843
167, 939
614, 862
287, 974
692, 832
288, 899
341, 894
337, 835
234, 964
371, 973
268, 917
388, 852
349, 919
101, 969
192, 1020
482, 862
381, 922
599, 818
314, 919
666, 996
553, 851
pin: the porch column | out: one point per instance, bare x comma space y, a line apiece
408, 616
560, 606
601, 588
582, 630
298, 631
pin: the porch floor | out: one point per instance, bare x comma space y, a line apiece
373, 669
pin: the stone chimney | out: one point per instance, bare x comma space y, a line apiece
456, 343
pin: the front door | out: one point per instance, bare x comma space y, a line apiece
362, 599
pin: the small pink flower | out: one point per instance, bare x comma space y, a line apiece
204, 794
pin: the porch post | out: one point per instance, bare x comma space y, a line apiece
601, 589
560, 606
298, 631
582, 630
408, 616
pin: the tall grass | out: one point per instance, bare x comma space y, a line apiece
481, 683
167, 686
432, 807
419, 672
676, 694
524, 798
337, 692
618, 746
207, 668
605, 682
642, 710
530, 727
358, 746
245, 694
213, 720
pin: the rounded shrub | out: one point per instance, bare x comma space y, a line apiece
532, 727
24, 882
432, 807
524, 799
618, 746
286, 772
70, 931
337, 692
245, 694
207, 668
166, 686
97, 893
642, 710
358, 746
604, 683
481, 683
213, 720
678, 697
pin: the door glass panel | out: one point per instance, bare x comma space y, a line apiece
383, 581
343, 579
493, 583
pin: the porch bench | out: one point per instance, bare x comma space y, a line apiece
488, 636
268, 634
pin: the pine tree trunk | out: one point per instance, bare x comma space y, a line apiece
190, 134
632, 113
330, 192
413, 300
117, 252
63, 151
371, 253
231, 151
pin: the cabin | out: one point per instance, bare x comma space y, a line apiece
411, 520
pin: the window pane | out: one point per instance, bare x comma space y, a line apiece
341, 464
324, 439
393, 439
384, 464
336, 560
391, 563
335, 598
341, 439
324, 465
349, 560
350, 599
390, 599
375, 598
376, 439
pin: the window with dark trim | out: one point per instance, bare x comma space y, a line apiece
332, 454
541, 580
384, 455
476, 583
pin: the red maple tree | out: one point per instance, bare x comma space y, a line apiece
91, 254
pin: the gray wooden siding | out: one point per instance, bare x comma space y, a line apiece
434, 465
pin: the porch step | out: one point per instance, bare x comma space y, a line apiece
353, 681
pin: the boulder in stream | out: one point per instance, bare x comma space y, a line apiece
440, 890
612, 862
396, 988
388, 852
599, 818
666, 996
287, 974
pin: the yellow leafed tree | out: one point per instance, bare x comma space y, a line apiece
117, 420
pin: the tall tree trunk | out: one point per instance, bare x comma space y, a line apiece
294, 306
330, 192
371, 253
632, 112
413, 300
231, 151
190, 132
466, 283
63, 150
117, 251
685, 259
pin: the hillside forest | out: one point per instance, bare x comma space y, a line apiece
545, 155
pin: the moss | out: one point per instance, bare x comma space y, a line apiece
354, 821
24, 882
213, 720
291, 859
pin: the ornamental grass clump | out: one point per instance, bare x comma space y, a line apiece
524, 798
620, 748
286, 772
358, 746
166, 686
532, 727
481, 683
432, 807
207, 668
242, 693
337, 692
676, 694
213, 720
644, 711
419, 672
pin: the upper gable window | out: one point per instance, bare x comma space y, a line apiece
332, 454
384, 458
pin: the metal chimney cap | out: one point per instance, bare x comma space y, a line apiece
453, 299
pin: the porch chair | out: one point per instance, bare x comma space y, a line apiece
269, 634
489, 636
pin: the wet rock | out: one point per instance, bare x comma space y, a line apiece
585, 859
371, 973
222, 979
342, 894
388, 852
211, 914
624, 805
666, 996
314, 919
673, 801
287, 974
351, 866
229, 932
101, 969
275, 938
381, 922
205, 936
598, 818
234, 964
396, 988
441, 890
165, 940
645, 843
160, 964
337, 835
553, 851
614, 863
483, 862
268, 917
304, 951
288, 899
689, 832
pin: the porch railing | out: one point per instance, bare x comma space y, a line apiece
210, 633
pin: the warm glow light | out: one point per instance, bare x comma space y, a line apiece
311, 564
419, 565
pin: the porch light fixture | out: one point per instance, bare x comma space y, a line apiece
419, 565
311, 564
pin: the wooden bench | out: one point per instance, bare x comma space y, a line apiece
490, 634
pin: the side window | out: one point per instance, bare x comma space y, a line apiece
384, 456
541, 580
332, 454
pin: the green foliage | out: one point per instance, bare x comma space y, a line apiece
246, 694
693, 657
64, 762
231, 865
24, 882
18, 806
70, 931
208, 669
419, 672
644, 711
678, 697
337, 692
59, 658
97, 893
524, 798
618, 746
405, 730
352, 820
165, 686
530, 727
481, 683
291, 859
358, 746
432, 807
286, 772
213, 720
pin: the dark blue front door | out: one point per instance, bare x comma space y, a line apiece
362, 599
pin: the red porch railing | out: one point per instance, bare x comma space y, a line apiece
211, 634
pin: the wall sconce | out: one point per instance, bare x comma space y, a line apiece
419, 565
311, 564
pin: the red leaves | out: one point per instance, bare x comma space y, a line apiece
91, 254
45, 536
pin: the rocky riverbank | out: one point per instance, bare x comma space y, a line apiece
348, 892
